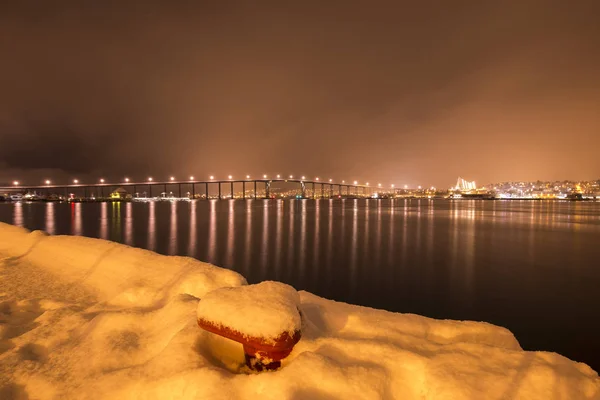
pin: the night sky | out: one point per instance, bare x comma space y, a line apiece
411, 93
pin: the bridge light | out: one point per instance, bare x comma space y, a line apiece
191, 178
212, 177
247, 176
291, 176
317, 178
47, 181
265, 176
102, 180
343, 181
126, 179
379, 184
75, 181
16, 183
393, 186
150, 179
419, 187
356, 182
230, 177
172, 178
405, 186
303, 177
330, 180
278, 176
367, 183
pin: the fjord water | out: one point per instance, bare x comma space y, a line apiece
530, 266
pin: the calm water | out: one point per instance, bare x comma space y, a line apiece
533, 267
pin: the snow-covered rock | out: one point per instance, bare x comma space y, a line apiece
89, 319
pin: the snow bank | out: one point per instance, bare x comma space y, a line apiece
115, 273
89, 319
265, 310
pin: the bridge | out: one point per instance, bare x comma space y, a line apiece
198, 188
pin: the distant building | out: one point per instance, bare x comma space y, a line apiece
119, 194
465, 186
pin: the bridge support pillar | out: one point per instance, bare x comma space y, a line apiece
220, 191
244, 190
255, 189
232, 190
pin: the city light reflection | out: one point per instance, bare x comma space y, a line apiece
230, 235
18, 214
173, 229
152, 225
103, 220
212, 231
128, 237
76, 217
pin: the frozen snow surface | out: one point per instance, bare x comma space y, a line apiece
84, 318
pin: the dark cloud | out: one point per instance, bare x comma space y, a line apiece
409, 92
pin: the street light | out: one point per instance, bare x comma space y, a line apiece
150, 179
367, 183
126, 179
212, 177
317, 178
230, 177
172, 178
102, 180
393, 186
16, 183
278, 176
419, 187
343, 181
379, 184
291, 176
191, 178
47, 181
265, 176
405, 186
356, 182
247, 176
330, 180
75, 181
303, 177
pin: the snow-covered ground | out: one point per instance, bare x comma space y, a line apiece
91, 319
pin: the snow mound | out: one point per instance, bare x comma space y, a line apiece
90, 319
265, 310
115, 273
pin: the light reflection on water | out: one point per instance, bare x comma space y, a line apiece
151, 225
50, 227
128, 224
517, 264
192, 249
103, 221
173, 229
18, 214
